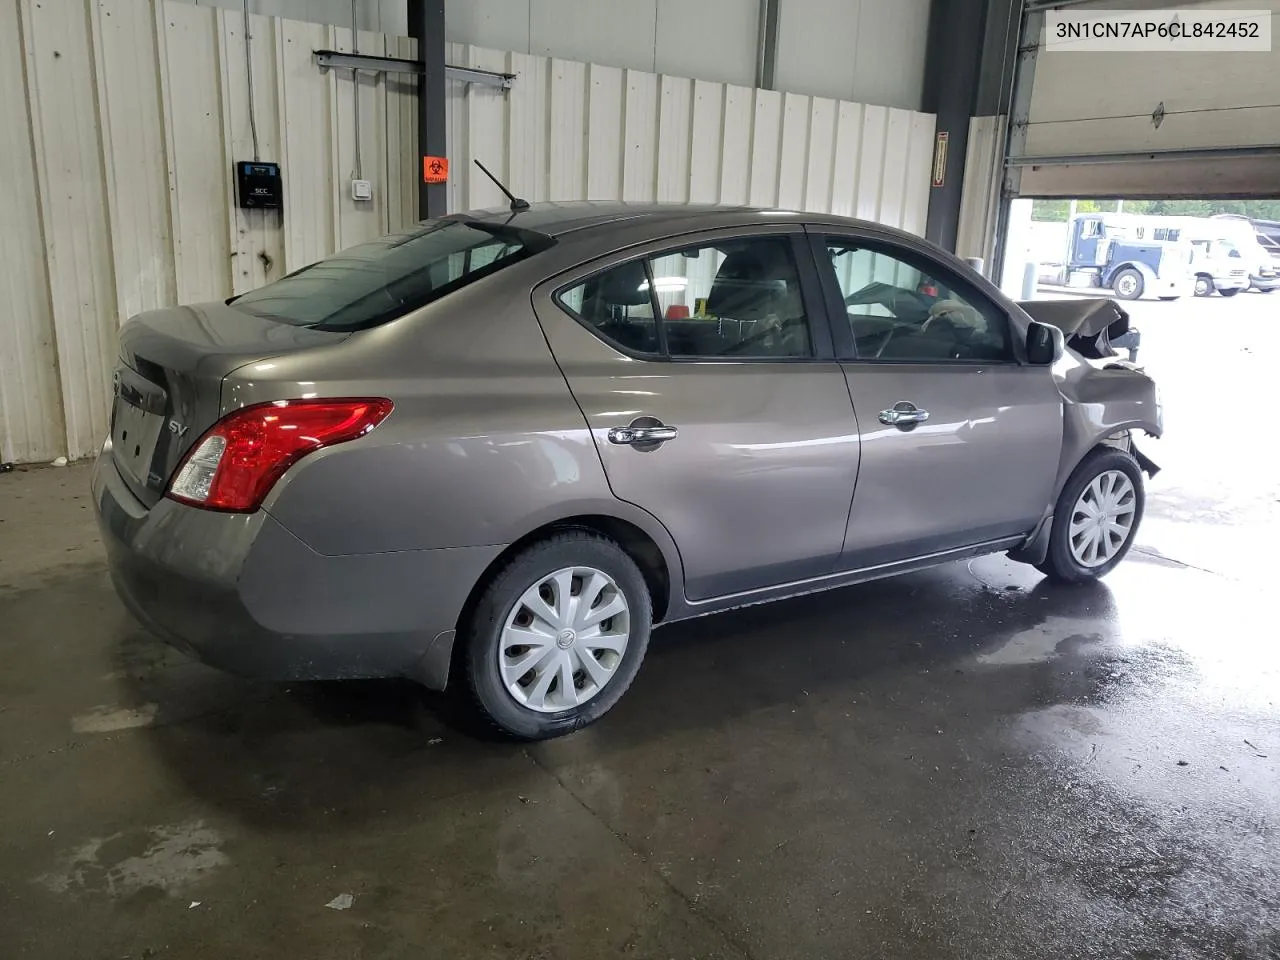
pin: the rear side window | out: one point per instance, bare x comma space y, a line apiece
733, 299
372, 283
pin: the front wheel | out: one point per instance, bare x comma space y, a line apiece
1096, 518
1128, 284
1204, 286
557, 636
1229, 293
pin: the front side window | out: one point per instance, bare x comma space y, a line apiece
372, 283
897, 310
732, 299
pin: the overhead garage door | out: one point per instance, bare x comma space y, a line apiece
1149, 124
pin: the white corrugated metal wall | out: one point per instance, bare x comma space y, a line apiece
121, 121
575, 131
137, 109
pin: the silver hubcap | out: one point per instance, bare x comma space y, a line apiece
564, 639
1127, 285
1102, 518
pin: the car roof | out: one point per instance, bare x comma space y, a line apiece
559, 218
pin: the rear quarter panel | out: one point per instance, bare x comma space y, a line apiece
485, 443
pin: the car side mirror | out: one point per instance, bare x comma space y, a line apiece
1045, 344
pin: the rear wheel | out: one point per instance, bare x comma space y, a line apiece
1128, 284
1229, 293
557, 636
1096, 518
1204, 286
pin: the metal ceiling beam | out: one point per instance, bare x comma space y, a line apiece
1133, 156
767, 56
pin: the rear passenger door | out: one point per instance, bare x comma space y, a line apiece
960, 439
714, 400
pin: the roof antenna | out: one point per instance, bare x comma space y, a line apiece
516, 203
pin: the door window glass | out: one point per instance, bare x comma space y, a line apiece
898, 310
617, 305
733, 299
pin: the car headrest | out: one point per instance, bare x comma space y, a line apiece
756, 284
625, 285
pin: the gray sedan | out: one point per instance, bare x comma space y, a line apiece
493, 450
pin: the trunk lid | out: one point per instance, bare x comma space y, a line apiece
168, 383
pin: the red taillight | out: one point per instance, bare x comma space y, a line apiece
234, 466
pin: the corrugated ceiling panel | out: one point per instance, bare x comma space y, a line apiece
68, 152
31, 425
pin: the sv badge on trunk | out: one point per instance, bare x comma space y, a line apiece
178, 429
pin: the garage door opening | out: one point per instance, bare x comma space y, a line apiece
1197, 278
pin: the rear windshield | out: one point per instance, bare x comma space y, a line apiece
372, 283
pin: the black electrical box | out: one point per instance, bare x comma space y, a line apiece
258, 184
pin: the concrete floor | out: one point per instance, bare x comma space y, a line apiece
960, 763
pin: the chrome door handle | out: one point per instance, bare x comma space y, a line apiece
640, 435
903, 414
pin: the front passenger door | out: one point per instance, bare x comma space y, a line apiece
960, 440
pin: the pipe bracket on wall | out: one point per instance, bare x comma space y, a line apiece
333, 59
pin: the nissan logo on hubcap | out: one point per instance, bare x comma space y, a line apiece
565, 639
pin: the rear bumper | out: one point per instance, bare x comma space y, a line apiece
241, 593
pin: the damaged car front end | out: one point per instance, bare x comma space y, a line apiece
1110, 399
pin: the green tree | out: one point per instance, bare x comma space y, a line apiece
1058, 210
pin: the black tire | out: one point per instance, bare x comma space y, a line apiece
1204, 286
1123, 288
1229, 293
1060, 566
483, 633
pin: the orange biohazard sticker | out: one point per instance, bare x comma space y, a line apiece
435, 169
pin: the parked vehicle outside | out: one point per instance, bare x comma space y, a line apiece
492, 450
1263, 271
1218, 266
1115, 252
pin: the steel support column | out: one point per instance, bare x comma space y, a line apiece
952, 68
767, 55
426, 26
